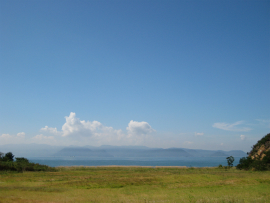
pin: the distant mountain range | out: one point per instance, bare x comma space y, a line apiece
42, 150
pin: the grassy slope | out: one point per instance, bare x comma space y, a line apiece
130, 184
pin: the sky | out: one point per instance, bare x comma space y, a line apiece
190, 74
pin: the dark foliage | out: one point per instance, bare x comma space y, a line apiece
244, 163
230, 161
21, 160
8, 157
21, 164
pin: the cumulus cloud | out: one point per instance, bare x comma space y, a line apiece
139, 128
22, 134
95, 132
242, 137
50, 130
74, 126
12, 139
231, 127
198, 134
5, 136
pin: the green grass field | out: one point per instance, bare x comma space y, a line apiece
135, 184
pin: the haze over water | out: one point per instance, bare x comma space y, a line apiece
183, 161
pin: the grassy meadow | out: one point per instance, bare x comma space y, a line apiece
135, 184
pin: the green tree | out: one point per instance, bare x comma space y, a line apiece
1, 156
244, 163
8, 157
21, 164
230, 161
22, 160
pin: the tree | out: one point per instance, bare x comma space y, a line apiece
230, 161
8, 157
1, 156
22, 160
21, 164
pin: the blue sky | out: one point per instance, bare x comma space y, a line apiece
191, 74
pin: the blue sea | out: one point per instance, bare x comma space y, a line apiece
182, 161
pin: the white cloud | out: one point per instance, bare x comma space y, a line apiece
93, 132
231, 127
243, 137
198, 134
139, 128
83, 130
74, 126
12, 139
221, 144
6, 136
22, 134
43, 137
50, 130
188, 142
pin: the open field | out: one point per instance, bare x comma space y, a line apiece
135, 184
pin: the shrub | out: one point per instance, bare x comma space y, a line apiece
21, 164
244, 163
21, 160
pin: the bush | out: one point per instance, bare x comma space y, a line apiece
21, 160
258, 165
21, 164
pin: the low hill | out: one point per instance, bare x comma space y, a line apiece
42, 150
80, 151
171, 152
259, 150
259, 156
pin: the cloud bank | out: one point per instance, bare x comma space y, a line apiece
7, 138
77, 129
50, 130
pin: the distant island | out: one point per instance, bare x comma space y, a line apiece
42, 150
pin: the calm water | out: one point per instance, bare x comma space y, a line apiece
183, 161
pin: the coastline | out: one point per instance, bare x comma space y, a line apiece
122, 166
